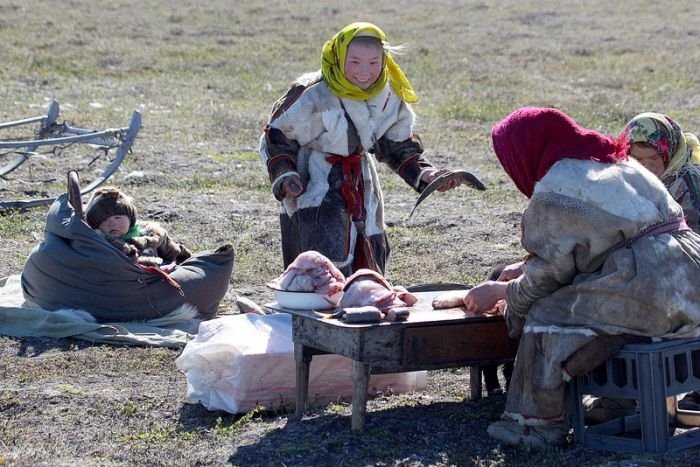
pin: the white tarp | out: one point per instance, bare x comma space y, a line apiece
240, 361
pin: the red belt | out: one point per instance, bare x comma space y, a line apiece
351, 187
164, 275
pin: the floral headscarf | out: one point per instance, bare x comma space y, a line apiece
333, 66
531, 140
666, 136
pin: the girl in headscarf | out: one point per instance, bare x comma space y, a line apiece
317, 149
607, 249
660, 145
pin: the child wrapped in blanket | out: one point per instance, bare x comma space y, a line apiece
112, 213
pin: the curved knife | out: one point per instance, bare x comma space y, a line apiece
466, 177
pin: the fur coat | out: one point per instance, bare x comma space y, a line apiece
153, 247
313, 124
686, 190
581, 281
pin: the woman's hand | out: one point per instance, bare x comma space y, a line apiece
484, 296
498, 310
292, 186
512, 271
431, 174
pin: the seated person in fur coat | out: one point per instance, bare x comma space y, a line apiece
607, 247
112, 213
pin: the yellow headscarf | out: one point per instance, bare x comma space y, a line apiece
333, 66
682, 161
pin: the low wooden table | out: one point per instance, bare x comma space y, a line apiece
429, 339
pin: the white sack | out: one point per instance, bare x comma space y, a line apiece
240, 361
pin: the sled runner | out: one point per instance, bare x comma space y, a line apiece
50, 143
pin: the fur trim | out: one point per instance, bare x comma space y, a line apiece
533, 421
597, 183
309, 77
185, 312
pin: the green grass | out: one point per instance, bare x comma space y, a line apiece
14, 224
234, 428
487, 110
337, 408
157, 435
236, 157
68, 389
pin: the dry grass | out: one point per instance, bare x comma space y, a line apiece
203, 75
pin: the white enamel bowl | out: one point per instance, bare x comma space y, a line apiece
302, 300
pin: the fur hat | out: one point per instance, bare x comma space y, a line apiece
109, 201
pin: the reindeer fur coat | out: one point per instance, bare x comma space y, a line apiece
314, 124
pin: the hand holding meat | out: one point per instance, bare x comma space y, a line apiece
498, 310
485, 296
458, 299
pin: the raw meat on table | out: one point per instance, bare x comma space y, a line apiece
311, 272
455, 299
450, 299
367, 288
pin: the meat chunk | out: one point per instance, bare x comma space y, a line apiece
451, 299
369, 288
363, 314
311, 272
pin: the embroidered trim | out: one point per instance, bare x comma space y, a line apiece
164, 275
273, 161
673, 225
402, 167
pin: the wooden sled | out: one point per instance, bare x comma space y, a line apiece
53, 137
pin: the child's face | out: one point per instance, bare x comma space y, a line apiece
363, 63
649, 157
117, 225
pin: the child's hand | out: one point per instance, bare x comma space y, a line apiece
130, 250
484, 296
144, 241
292, 186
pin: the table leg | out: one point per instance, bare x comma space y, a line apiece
360, 383
302, 357
474, 382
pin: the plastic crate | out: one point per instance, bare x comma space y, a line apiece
653, 375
